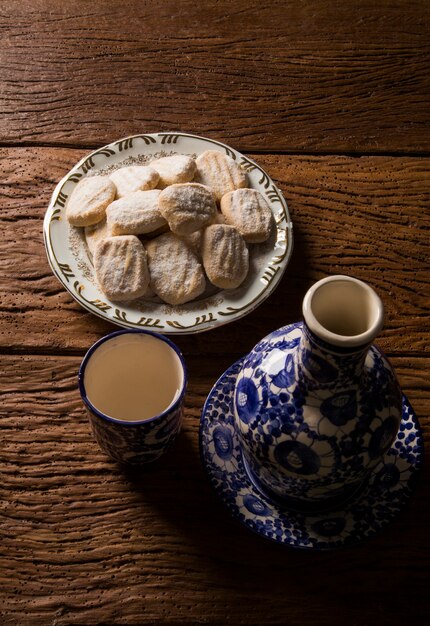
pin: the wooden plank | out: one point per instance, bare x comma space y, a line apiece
308, 76
367, 217
83, 541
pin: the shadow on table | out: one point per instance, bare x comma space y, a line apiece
379, 578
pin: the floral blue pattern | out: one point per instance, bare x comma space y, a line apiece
389, 485
297, 457
340, 408
223, 442
142, 443
247, 400
314, 418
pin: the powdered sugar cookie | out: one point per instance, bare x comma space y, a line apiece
135, 214
187, 207
193, 241
121, 267
248, 211
176, 274
219, 172
225, 256
95, 233
134, 178
88, 202
155, 233
219, 218
177, 168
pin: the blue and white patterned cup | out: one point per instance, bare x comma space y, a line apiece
135, 441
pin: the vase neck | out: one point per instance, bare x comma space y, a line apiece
324, 364
343, 311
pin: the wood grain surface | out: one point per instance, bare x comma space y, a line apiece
331, 98
139, 548
84, 542
284, 75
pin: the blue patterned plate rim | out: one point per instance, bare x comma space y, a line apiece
390, 485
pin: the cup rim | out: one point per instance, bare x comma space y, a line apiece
128, 331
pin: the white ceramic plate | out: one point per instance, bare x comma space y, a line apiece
70, 261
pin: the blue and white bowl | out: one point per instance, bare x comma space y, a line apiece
316, 406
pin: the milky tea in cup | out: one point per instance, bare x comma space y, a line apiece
133, 384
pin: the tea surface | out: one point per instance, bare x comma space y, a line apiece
133, 377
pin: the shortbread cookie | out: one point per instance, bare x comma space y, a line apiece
225, 256
219, 172
135, 214
218, 219
149, 293
193, 241
134, 178
176, 274
121, 267
88, 202
177, 168
155, 233
187, 207
95, 233
248, 211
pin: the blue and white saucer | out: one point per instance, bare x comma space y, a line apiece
387, 491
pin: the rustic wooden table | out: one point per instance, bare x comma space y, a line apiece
332, 99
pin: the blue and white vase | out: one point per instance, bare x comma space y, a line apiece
317, 405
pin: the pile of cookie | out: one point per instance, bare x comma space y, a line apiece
163, 228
